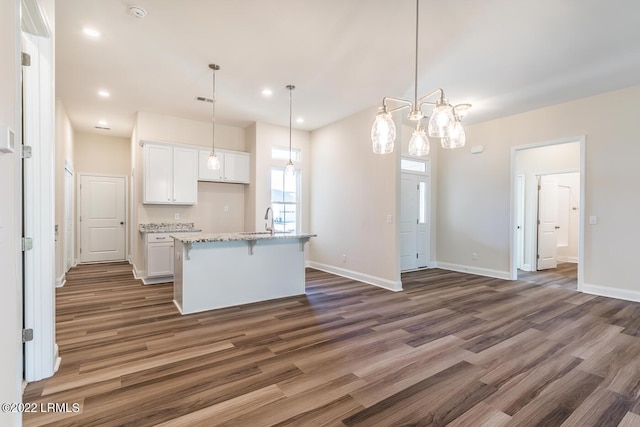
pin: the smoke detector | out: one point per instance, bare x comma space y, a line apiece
137, 11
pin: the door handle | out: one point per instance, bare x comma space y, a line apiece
557, 228
121, 222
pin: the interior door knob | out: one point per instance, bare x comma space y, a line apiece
557, 228
121, 222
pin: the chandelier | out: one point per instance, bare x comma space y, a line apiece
444, 122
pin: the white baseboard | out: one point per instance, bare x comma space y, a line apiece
571, 259
526, 267
137, 274
60, 281
504, 275
607, 291
58, 359
156, 280
390, 285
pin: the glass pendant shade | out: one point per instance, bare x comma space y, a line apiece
456, 138
290, 169
213, 163
441, 121
383, 133
419, 143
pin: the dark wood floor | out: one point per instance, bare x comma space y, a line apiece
452, 349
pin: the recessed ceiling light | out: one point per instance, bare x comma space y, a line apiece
299, 120
91, 32
267, 92
102, 122
104, 93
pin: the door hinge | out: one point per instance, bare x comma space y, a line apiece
538, 256
539, 187
26, 59
416, 256
27, 244
80, 218
80, 250
26, 152
27, 335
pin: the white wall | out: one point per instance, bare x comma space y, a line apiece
474, 190
10, 223
352, 192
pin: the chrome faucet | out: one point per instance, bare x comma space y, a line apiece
266, 218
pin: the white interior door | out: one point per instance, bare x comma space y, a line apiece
102, 218
413, 221
547, 222
520, 197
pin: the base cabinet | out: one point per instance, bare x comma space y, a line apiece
159, 256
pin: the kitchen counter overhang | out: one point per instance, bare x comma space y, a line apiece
222, 270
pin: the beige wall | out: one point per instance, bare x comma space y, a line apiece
266, 137
352, 192
102, 154
474, 190
209, 213
10, 224
64, 155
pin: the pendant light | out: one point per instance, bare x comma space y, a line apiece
444, 122
213, 162
290, 169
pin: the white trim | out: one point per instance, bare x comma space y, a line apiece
526, 267
137, 274
60, 281
156, 280
395, 286
571, 259
610, 292
497, 274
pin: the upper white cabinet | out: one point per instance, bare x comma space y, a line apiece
170, 175
234, 167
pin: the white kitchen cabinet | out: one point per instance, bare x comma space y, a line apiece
234, 167
170, 175
159, 255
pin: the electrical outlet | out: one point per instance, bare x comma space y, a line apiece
474, 256
226, 208
176, 216
344, 257
389, 219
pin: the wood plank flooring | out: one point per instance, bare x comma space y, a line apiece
451, 349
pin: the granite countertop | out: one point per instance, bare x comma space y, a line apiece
239, 236
167, 227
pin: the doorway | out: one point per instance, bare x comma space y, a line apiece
414, 214
548, 186
41, 352
102, 209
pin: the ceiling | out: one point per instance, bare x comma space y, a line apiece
343, 56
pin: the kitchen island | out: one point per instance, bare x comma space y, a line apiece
222, 270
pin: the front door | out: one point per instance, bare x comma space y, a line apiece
413, 221
102, 218
547, 222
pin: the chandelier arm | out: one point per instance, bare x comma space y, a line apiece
423, 100
398, 100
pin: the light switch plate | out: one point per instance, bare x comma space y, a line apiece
7, 140
593, 220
